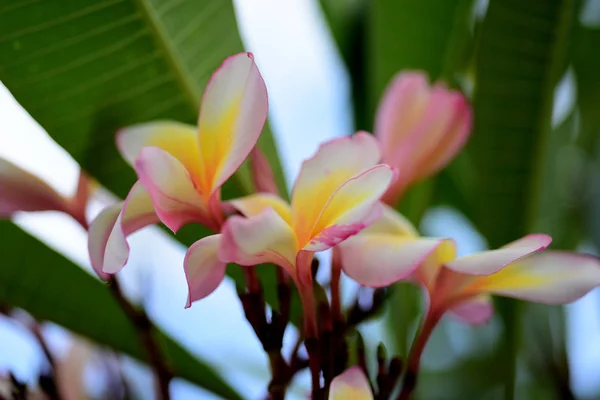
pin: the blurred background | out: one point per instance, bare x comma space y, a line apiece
74, 72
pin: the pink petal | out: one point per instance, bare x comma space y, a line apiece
378, 260
475, 311
107, 244
232, 115
335, 162
352, 384
552, 277
401, 109
351, 208
175, 198
99, 232
488, 262
421, 128
262, 174
203, 269
264, 238
22, 191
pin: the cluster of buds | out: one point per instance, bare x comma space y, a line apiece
343, 199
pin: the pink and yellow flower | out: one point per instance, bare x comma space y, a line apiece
335, 196
421, 128
181, 168
391, 250
352, 384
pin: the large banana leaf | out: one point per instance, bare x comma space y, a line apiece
521, 52
84, 69
51, 288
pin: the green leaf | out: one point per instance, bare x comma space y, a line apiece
51, 288
521, 51
84, 69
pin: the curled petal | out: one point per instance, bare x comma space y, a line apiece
107, 235
232, 115
335, 162
177, 139
379, 260
488, 262
98, 234
22, 191
255, 204
351, 208
171, 189
203, 269
265, 238
552, 277
352, 384
475, 311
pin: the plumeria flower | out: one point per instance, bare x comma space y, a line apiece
335, 196
421, 128
181, 168
352, 384
23, 191
391, 250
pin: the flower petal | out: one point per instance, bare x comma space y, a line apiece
177, 139
454, 136
232, 115
255, 204
98, 234
203, 269
351, 208
335, 162
352, 384
401, 108
552, 277
477, 310
262, 173
393, 223
421, 128
22, 191
261, 239
171, 189
107, 242
488, 262
378, 260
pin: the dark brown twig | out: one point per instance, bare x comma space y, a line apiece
145, 329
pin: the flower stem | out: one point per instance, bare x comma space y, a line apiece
336, 272
145, 329
414, 358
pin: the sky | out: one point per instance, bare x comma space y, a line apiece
308, 91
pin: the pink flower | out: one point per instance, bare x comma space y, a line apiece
181, 168
420, 127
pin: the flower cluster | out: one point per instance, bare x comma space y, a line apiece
343, 199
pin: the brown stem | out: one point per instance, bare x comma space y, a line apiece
145, 328
50, 386
314, 363
414, 358
336, 273
280, 371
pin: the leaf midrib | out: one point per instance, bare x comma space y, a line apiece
158, 31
